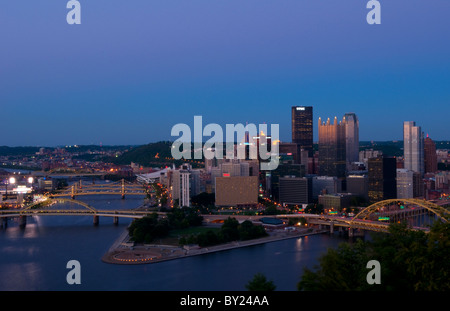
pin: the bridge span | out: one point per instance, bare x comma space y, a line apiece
44, 208
367, 219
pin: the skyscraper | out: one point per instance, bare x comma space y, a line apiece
382, 178
413, 147
430, 157
351, 137
302, 127
332, 148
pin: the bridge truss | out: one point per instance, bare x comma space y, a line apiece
122, 188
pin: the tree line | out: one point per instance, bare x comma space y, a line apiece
149, 228
410, 261
231, 230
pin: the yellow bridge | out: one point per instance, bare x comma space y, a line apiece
121, 188
367, 219
389, 210
44, 208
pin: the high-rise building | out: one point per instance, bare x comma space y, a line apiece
237, 191
430, 156
358, 185
181, 186
382, 178
351, 137
295, 190
405, 184
283, 169
302, 127
325, 185
332, 148
413, 147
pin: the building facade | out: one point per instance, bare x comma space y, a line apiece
405, 184
332, 153
295, 190
302, 127
413, 147
351, 137
430, 156
382, 179
237, 191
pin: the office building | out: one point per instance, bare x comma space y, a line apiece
335, 202
382, 178
351, 124
366, 154
358, 185
325, 185
413, 147
430, 156
284, 169
237, 191
302, 127
332, 159
295, 190
181, 185
405, 181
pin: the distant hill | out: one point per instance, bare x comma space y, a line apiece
152, 154
389, 148
14, 151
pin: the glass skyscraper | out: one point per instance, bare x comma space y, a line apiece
413, 147
332, 148
302, 127
351, 137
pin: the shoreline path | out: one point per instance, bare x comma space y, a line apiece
125, 252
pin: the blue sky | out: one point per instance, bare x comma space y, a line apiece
133, 69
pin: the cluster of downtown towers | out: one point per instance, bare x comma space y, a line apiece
338, 150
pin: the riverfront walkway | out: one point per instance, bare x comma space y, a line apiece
124, 252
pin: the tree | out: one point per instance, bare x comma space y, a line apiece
247, 231
260, 283
148, 228
410, 260
229, 230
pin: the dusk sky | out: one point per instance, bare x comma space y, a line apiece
133, 69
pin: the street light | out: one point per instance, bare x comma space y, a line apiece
30, 180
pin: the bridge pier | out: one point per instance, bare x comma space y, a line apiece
4, 222
331, 228
96, 220
116, 220
350, 232
22, 221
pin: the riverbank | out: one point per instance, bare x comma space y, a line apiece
125, 252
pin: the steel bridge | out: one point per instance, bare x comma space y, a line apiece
78, 208
391, 210
122, 188
366, 219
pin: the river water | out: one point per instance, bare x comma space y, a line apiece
35, 257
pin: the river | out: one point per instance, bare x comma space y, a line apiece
34, 258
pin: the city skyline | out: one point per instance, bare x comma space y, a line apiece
117, 83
